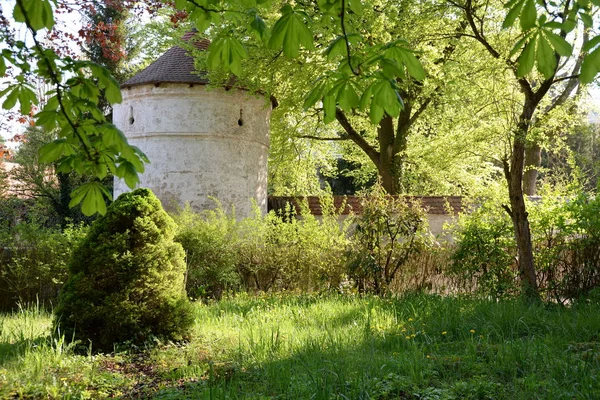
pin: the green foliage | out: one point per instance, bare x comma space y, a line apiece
280, 250
565, 230
33, 262
388, 232
87, 142
210, 243
283, 250
568, 245
484, 259
126, 279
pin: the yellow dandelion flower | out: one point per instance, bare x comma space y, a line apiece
410, 320
408, 338
443, 333
428, 356
472, 331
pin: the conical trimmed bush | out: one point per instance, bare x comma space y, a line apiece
126, 282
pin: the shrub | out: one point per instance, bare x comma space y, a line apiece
387, 233
567, 246
210, 243
484, 259
262, 253
33, 262
565, 232
289, 251
126, 279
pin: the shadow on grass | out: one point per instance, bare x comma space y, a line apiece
11, 351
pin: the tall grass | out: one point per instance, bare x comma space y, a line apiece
327, 347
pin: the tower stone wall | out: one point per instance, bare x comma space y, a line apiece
203, 144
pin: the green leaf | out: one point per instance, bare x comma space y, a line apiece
26, 98
46, 119
528, 15
518, 45
560, 45
39, 13
290, 32
128, 172
314, 95
413, 65
93, 201
113, 137
2, 66
387, 97
593, 42
337, 47
512, 15
365, 99
546, 61
356, 6
227, 52
527, 58
329, 108
258, 24
180, 4
590, 66
112, 90
587, 20
52, 151
11, 99
375, 113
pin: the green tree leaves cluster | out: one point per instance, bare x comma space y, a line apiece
87, 142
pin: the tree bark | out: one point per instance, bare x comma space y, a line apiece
533, 161
385, 166
517, 210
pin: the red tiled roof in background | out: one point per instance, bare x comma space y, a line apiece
441, 205
175, 66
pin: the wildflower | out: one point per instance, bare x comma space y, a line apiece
410, 320
408, 338
443, 333
428, 356
472, 331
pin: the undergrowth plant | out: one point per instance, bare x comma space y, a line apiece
565, 230
275, 251
33, 262
126, 278
387, 233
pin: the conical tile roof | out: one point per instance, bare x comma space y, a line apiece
175, 66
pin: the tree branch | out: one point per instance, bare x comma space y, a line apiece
356, 137
312, 137
342, 21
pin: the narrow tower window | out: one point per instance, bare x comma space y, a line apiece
240, 121
131, 119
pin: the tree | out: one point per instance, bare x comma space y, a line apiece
542, 43
87, 142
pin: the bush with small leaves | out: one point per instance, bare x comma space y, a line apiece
126, 280
388, 233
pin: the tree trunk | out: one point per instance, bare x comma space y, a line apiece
386, 168
517, 211
533, 161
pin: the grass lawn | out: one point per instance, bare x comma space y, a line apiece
325, 347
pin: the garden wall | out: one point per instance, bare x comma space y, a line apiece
440, 210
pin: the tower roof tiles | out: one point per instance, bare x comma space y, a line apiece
175, 66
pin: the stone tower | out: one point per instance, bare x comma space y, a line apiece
202, 142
